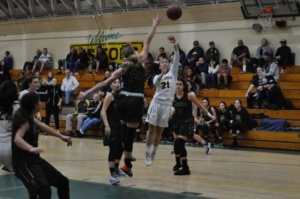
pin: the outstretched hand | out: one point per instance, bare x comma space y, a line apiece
171, 39
67, 139
156, 20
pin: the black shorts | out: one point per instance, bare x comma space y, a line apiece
37, 173
184, 128
130, 108
116, 131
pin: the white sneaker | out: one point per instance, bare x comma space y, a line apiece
152, 156
208, 148
148, 160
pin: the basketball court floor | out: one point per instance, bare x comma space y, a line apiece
242, 173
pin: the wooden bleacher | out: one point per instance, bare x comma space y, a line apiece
262, 139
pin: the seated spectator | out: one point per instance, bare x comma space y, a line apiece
162, 54
69, 86
93, 115
21, 80
72, 57
206, 123
106, 89
224, 74
201, 70
50, 77
259, 59
275, 99
223, 121
38, 75
194, 79
28, 65
111, 67
212, 52
79, 115
81, 63
283, 55
240, 56
239, 121
194, 54
43, 62
212, 74
271, 68
182, 58
4, 72
101, 61
8, 60
257, 85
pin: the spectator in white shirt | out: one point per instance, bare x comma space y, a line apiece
43, 62
69, 86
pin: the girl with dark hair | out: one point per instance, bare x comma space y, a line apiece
36, 173
206, 123
50, 77
239, 121
222, 124
8, 106
113, 132
4, 72
131, 100
212, 74
183, 124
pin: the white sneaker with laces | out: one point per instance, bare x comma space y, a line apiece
208, 148
148, 160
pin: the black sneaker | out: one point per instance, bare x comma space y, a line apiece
79, 134
177, 167
183, 171
70, 133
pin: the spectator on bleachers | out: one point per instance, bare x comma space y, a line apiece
4, 72
271, 67
201, 70
69, 86
38, 75
53, 102
93, 115
259, 59
28, 65
194, 79
50, 77
79, 115
72, 57
275, 99
80, 63
223, 121
21, 79
162, 54
45, 61
8, 60
107, 74
207, 123
240, 56
257, 85
212, 52
212, 74
111, 67
101, 62
239, 121
194, 54
224, 74
283, 55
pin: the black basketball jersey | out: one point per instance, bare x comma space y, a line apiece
134, 79
111, 112
183, 108
31, 136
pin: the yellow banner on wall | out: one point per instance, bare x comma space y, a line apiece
112, 49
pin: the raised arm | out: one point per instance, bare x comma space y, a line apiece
144, 54
175, 66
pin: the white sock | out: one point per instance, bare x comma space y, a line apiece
148, 149
244, 68
154, 149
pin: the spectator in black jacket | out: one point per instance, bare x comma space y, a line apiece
72, 57
81, 63
93, 115
4, 72
101, 62
194, 54
240, 56
222, 124
275, 99
201, 70
212, 52
283, 55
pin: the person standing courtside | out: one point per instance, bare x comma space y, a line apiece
131, 100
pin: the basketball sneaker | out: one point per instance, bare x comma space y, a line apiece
208, 148
127, 170
148, 160
177, 167
152, 156
183, 171
113, 180
120, 173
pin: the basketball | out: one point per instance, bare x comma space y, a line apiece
174, 12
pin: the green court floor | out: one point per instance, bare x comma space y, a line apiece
12, 188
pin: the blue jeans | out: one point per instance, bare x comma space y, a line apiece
89, 122
212, 79
67, 94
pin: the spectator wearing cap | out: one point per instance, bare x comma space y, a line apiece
194, 54
212, 52
270, 67
275, 99
162, 54
283, 55
240, 56
8, 60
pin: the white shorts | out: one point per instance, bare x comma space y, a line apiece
159, 114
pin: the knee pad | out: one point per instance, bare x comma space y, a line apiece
176, 147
